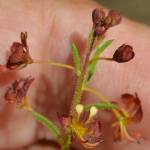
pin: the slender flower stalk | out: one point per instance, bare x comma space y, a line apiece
97, 93
54, 64
101, 58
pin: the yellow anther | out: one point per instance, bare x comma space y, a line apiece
79, 109
93, 112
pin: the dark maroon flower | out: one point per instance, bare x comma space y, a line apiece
19, 55
87, 127
132, 104
130, 110
123, 54
93, 137
18, 90
113, 18
101, 22
98, 16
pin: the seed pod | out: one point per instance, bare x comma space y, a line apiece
123, 54
97, 15
113, 18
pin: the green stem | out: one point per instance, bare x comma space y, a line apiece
101, 58
80, 80
95, 92
66, 140
55, 64
77, 93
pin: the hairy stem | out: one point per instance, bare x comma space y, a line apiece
81, 78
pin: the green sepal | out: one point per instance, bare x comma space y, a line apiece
47, 123
98, 52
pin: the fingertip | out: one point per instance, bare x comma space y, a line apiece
3, 69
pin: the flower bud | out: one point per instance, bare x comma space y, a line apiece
113, 18
123, 54
97, 15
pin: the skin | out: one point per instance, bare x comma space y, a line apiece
52, 26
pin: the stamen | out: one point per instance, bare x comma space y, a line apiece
79, 109
93, 112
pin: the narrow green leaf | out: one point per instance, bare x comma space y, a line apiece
102, 105
47, 123
99, 50
76, 57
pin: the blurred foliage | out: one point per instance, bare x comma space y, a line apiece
135, 9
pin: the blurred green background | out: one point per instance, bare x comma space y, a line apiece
135, 9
